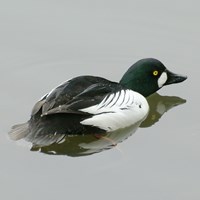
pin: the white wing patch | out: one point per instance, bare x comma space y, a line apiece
117, 110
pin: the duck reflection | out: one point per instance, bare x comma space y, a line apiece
158, 106
82, 145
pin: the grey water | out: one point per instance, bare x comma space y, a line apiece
43, 43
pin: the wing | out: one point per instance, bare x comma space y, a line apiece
74, 95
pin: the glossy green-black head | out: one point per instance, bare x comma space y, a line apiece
149, 75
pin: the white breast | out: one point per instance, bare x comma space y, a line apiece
117, 110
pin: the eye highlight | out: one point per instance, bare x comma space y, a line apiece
155, 73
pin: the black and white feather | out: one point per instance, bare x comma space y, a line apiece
83, 105
117, 110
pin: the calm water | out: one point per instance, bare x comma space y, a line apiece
44, 42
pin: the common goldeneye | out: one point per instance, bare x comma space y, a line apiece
90, 104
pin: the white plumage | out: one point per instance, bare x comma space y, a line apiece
117, 110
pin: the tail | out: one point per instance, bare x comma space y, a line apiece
19, 131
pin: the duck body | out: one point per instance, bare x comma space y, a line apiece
90, 104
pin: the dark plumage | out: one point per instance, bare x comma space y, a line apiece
89, 104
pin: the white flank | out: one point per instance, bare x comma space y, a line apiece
162, 79
118, 110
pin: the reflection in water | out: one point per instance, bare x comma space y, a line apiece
82, 145
158, 106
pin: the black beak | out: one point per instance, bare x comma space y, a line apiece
174, 78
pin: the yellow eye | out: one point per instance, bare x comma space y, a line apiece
155, 73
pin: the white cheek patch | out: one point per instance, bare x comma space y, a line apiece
162, 80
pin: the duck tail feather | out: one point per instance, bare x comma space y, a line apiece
19, 131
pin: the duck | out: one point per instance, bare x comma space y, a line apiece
94, 105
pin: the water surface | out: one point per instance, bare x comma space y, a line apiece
44, 43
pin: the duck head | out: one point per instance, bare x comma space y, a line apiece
149, 75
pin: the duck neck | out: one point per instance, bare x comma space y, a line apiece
136, 84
